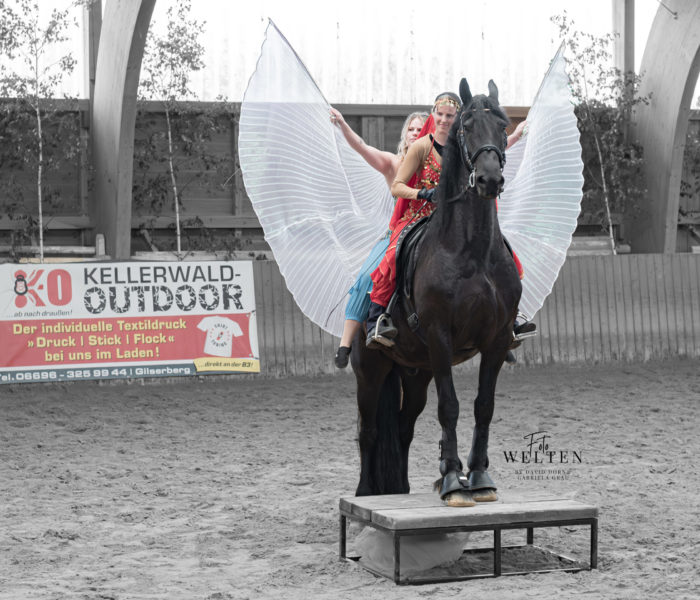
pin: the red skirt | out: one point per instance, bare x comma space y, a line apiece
384, 276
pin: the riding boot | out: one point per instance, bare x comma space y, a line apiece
380, 329
521, 327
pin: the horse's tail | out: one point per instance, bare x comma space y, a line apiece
387, 461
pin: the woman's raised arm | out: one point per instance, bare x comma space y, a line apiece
384, 162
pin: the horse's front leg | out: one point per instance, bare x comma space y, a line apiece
453, 485
482, 486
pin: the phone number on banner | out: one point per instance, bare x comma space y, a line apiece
39, 375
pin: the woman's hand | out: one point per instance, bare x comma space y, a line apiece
384, 162
336, 117
519, 132
426, 195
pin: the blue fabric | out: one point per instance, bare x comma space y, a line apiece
358, 304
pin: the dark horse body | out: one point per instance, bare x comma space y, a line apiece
465, 293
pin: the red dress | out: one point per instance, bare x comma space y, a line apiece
405, 212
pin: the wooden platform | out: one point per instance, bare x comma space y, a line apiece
424, 514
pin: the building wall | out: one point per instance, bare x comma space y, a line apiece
219, 199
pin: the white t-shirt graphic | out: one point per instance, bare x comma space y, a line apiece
220, 334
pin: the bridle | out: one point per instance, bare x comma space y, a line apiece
470, 159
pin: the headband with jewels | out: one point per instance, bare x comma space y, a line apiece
446, 101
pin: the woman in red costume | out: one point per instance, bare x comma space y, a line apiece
414, 186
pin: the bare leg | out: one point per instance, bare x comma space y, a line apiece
350, 329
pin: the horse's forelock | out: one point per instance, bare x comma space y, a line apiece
478, 103
482, 102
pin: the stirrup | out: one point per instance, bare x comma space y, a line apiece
519, 337
385, 327
382, 332
523, 328
376, 340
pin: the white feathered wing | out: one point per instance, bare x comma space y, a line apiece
322, 206
540, 204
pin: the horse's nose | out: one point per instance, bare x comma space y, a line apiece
489, 185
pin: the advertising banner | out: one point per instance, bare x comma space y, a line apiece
62, 322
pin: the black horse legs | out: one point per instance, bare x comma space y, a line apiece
367, 404
448, 414
439, 345
415, 397
378, 397
483, 409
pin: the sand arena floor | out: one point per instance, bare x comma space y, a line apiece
222, 489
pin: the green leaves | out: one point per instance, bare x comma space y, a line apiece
605, 99
173, 150
171, 58
36, 137
24, 41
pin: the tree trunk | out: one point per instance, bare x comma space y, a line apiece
606, 198
173, 181
40, 169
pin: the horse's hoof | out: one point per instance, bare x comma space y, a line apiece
459, 498
482, 486
485, 495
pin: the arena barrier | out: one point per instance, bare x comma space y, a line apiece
634, 307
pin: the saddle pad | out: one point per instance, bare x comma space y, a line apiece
407, 252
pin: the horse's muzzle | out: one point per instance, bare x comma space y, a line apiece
489, 186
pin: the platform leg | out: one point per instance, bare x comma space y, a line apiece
397, 558
343, 537
497, 552
530, 536
594, 544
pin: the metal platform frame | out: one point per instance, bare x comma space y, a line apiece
497, 549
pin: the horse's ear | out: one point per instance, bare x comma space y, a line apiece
464, 92
493, 91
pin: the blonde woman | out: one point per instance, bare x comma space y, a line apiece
388, 165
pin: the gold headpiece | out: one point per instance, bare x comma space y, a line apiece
446, 101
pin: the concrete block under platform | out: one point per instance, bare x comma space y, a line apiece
404, 515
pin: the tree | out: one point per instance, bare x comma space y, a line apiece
169, 61
613, 177
25, 41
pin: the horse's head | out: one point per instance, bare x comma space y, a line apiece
480, 130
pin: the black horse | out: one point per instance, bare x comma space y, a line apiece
465, 293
